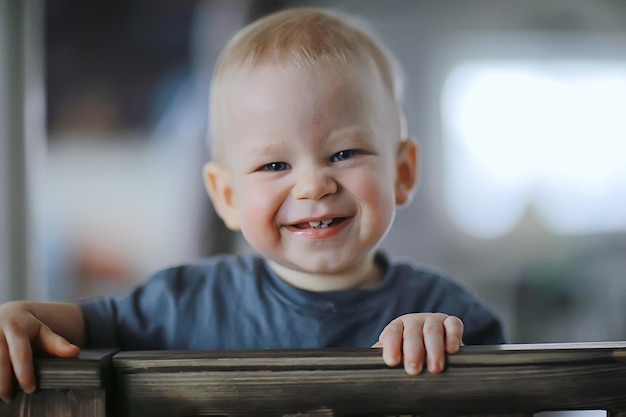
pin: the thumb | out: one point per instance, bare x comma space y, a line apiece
51, 343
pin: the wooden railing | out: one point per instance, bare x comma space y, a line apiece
515, 380
68, 388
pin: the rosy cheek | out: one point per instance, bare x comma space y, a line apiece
381, 200
257, 210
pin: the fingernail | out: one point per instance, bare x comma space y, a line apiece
436, 367
390, 359
413, 368
29, 390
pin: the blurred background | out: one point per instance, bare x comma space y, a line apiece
519, 108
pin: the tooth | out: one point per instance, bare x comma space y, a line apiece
314, 224
327, 222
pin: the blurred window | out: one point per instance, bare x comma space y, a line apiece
545, 135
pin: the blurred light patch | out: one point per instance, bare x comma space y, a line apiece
547, 134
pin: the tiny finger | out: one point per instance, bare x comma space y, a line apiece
52, 343
6, 373
391, 342
434, 344
413, 348
21, 356
454, 334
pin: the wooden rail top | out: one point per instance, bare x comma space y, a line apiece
480, 380
518, 379
469, 356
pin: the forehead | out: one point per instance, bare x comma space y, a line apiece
295, 74
287, 88
276, 100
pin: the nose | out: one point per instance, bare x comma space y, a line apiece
314, 184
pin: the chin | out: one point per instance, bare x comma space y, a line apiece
327, 267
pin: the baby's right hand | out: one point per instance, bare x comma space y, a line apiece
20, 331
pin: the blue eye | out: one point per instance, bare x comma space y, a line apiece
275, 166
343, 155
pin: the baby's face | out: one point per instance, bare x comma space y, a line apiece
312, 156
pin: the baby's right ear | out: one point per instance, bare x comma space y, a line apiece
218, 184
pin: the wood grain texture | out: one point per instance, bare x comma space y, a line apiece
149, 361
494, 380
92, 369
498, 381
57, 403
70, 387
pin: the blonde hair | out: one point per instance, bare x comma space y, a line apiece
306, 36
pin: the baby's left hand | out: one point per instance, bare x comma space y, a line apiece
419, 338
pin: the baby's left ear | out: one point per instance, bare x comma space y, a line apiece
406, 171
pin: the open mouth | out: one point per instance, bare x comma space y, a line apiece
322, 224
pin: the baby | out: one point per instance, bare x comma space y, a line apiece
310, 160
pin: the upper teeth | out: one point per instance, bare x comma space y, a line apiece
321, 224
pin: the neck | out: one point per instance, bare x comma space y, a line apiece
366, 275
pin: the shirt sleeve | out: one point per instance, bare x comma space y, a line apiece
135, 321
482, 327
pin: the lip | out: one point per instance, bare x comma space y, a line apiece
325, 233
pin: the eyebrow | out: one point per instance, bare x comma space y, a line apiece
355, 134
267, 150
262, 154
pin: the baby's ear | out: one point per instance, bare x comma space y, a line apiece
406, 171
218, 184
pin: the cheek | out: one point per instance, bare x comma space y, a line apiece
383, 206
377, 195
258, 204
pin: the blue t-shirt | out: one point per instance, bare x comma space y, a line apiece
237, 302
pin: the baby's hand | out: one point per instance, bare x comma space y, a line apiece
419, 338
19, 329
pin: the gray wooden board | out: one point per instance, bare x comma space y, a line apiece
478, 380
